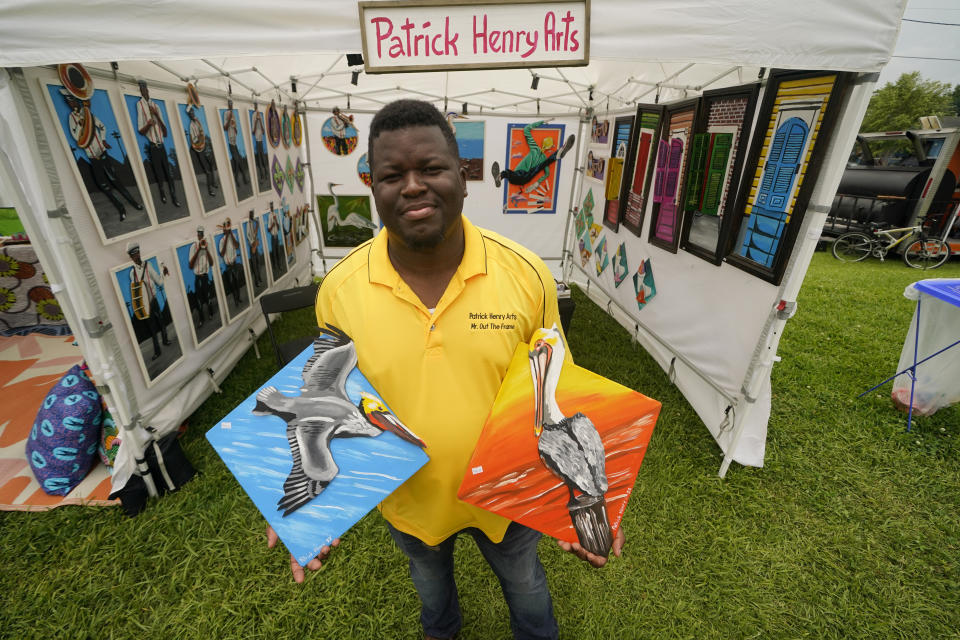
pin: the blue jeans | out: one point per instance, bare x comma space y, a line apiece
516, 565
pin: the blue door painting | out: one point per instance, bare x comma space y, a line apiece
769, 216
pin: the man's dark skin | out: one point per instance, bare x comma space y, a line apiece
419, 186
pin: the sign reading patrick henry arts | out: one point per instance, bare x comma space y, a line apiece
483, 34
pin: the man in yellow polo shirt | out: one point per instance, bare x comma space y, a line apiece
436, 307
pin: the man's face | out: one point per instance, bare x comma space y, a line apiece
418, 186
144, 91
135, 256
199, 235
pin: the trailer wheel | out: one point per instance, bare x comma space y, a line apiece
852, 247
925, 253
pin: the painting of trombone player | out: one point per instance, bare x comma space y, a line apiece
92, 139
157, 153
232, 272
195, 262
141, 288
561, 448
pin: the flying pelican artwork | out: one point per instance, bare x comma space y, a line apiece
333, 214
321, 412
570, 447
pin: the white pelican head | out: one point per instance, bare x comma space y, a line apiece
546, 358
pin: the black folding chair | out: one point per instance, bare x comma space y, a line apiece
288, 300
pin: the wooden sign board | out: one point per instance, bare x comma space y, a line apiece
443, 35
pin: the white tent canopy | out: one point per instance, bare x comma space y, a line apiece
634, 44
641, 52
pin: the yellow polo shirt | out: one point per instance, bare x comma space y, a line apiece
440, 372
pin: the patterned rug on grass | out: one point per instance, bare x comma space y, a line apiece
29, 366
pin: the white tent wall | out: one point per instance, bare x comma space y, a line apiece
81, 265
542, 233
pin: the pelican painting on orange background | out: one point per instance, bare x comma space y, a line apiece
561, 448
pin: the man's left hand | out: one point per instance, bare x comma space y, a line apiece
595, 560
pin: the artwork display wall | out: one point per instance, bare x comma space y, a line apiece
149, 175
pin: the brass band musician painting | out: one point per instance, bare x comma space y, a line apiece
92, 138
193, 119
236, 151
141, 285
154, 136
253, 245
195, 262
232, 273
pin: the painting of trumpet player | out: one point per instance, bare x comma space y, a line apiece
561, 448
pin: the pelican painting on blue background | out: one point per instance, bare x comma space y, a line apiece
317, 447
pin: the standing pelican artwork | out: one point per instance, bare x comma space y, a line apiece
333, 214
323, 411
569, 446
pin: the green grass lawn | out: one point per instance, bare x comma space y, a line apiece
851, 530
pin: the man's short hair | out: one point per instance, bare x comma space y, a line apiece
402, 114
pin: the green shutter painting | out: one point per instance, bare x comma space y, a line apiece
698, 155
719, 155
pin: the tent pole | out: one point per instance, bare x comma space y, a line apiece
852, 110
574, 196
313, 202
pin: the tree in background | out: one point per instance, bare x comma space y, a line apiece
899, 105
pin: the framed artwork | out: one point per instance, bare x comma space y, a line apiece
254, 248
621, 142
639, 168
94, 145
532, 154
599, 131
596, 165
601, 256
363, 170
299, 174
794, 127
673, 153
158, 154
286, 128
297, 128
286, 226
278, 175
339, 134
316, 448
716, 162
289, 175
620, 268
233, 275
275, 250
141, 287
195, 265
470, 139
302, 224
561, 448
273, 125
586, 249
345, 221
236, 152
643, 284
579, 221
193, 123
258, 145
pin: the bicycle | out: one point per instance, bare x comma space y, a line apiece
919, 252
